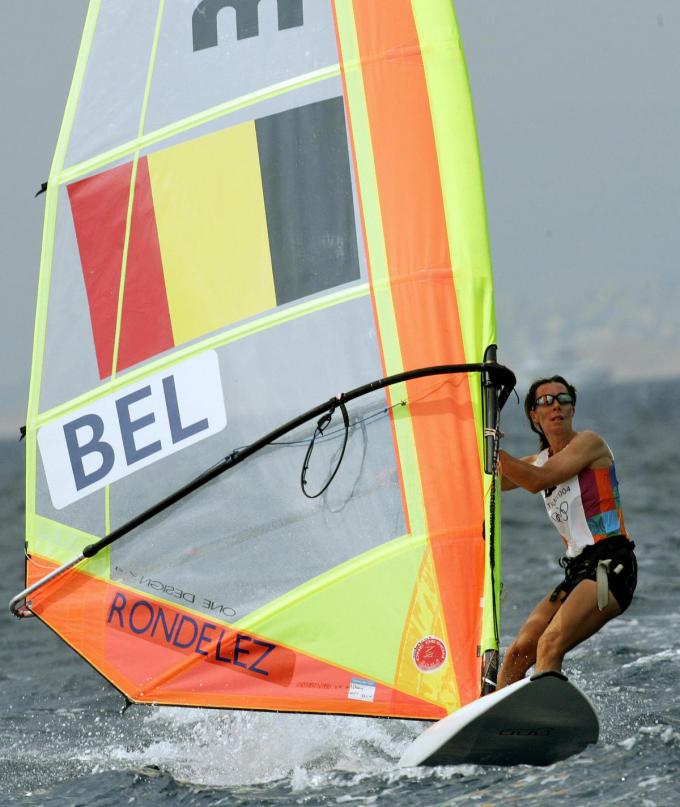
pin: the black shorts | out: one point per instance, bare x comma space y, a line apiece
584, 567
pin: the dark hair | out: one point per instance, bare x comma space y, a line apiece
529, 402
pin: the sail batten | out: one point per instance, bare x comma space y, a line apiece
147, 140
243, 220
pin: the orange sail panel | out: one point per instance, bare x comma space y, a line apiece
158, 652
424, 297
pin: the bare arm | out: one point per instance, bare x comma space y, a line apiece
506, 482
585, 450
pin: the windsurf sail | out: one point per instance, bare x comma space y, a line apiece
265, 267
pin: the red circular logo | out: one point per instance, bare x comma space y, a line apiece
429, 654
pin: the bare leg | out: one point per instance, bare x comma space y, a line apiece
522, 652
578, 619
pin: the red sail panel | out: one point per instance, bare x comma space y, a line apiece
99, 205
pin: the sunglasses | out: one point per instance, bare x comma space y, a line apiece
548, 400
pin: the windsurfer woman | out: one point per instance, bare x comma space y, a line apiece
574, 471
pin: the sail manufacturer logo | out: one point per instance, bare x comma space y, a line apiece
116, 435
204, 19
524, 732
429, 654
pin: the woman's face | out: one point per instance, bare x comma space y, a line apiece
554, 419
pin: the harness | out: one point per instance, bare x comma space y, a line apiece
596, 562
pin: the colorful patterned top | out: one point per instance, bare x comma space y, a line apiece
585, 508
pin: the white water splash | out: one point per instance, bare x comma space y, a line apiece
669, 654
232, 748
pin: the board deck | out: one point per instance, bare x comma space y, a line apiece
536, 721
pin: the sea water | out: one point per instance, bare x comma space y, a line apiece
64, 741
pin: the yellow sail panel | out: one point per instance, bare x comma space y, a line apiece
362, 631
210, 213
425, 668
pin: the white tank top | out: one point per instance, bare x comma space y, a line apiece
585, 508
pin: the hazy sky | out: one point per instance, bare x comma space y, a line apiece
578, 112
38, 46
